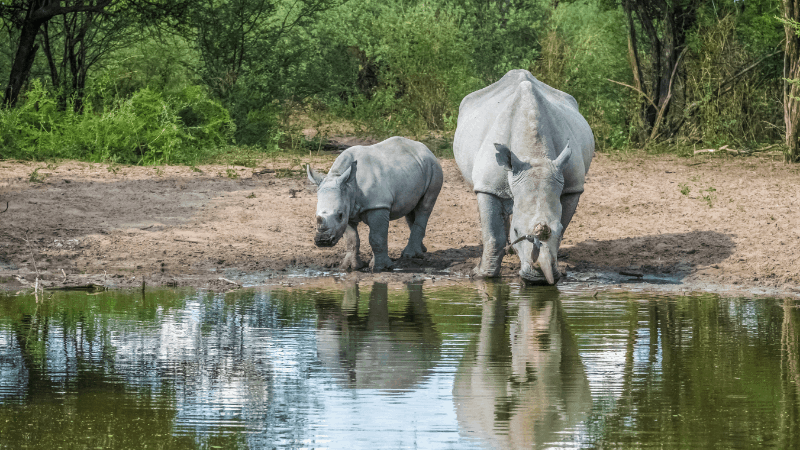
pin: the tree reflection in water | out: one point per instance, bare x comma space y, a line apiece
790, 340
522, 381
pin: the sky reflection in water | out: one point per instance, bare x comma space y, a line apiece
484, 365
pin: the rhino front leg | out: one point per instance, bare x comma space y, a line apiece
378, 222
493, 233
352, 244
569, 203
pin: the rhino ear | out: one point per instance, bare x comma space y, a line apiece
506, 158
348, 175
563, 158
313, 176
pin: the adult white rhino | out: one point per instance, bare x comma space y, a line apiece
525, 149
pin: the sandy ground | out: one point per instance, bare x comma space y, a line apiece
702, 223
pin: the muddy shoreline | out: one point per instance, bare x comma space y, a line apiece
719, 224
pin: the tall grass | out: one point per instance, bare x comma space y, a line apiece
145, 128
721, 106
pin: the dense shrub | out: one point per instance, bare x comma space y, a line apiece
581, 51
724, 103
414, 64
146, 128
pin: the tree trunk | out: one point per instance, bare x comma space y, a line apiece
791, 77
636, 66
37, 14
23, 60
664, 25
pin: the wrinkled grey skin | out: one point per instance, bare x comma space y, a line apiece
525, 149
375, 184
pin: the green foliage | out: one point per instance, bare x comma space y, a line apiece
146, 128
223, 84
582, 50
726, 108
163, 64
255, 54
709, 196
413, 64
502, 35
36, 177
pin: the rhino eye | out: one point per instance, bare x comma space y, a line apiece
340, 216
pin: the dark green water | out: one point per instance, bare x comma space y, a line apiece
478, 366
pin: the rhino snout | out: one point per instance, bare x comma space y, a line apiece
326, 239
328, 233
541, 268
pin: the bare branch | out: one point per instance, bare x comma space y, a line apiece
635, 89
55, 9
663, 108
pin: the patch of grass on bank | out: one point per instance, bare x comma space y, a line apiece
148, 128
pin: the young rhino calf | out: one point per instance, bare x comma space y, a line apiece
375, 184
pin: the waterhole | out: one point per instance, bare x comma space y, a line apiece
477, 365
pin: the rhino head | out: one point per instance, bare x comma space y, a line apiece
536, 229
335, 202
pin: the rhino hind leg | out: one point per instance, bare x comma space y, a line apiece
378, 222
493, 233
352, 246
418, 218
417, 224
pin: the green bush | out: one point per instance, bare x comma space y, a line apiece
414, 64
720, 111
146, 128
582, 50
502, 35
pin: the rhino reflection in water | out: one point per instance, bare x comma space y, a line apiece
522, 381
376, 349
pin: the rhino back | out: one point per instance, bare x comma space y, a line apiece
392, 174
533, 119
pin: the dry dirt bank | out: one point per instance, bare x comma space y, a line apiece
707, 222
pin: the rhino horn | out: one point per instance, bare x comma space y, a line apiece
545, 261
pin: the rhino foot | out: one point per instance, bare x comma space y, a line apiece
379, 264
479, 272
351, 262
410, 252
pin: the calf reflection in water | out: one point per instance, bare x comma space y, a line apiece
378, 346
522, 381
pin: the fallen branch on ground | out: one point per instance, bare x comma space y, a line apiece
230, 281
